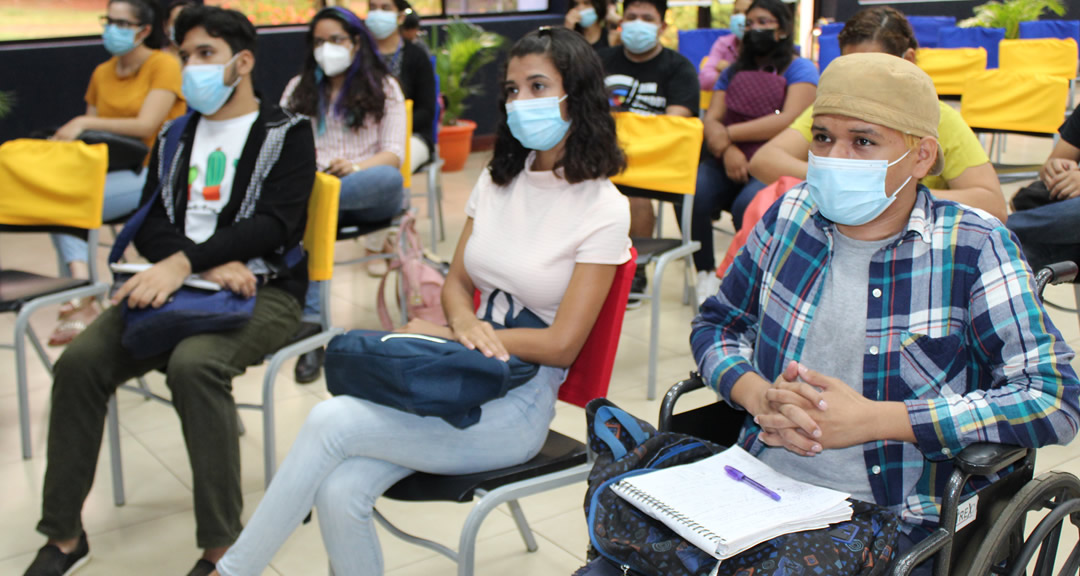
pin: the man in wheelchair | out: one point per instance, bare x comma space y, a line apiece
873, 331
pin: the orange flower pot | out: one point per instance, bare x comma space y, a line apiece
455, 143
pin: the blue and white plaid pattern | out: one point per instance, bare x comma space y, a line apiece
954, 330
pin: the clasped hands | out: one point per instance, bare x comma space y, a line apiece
1062, 177
805, 412
153, 287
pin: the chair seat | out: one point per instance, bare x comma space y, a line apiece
18, 287
349, 226
559, 453
649, 248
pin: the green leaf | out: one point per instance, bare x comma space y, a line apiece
461, 49
7, 103
1011, 13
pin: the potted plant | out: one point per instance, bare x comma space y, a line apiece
1011, 13
461, 49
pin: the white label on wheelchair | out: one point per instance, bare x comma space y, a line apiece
965, 513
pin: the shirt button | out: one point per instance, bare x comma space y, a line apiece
877, 292
874, 350
946, 451
876, 469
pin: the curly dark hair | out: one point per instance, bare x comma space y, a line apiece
229, 25
784, 52
363, 90
883, 25
149, 14
591, 150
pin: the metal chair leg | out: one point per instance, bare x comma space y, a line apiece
523, 526
112, 423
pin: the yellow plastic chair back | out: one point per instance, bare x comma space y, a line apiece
662, 152
706, 95
1012, 101
950, 68
50, 183
320, 234
1051, 56
406, 163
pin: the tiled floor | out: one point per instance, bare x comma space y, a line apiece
154, 532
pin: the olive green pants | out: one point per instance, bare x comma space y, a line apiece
199, 373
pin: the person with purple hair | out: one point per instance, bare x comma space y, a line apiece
358, 114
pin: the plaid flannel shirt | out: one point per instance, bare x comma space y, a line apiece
954, 329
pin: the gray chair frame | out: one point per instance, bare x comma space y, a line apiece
23, 331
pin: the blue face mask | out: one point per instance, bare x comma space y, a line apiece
118, 41
588, 17
537, 123
639, 36
382, 23
850, 192
204, 87
738, 25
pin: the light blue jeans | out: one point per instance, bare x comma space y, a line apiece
123, 190
371, 195
350, 451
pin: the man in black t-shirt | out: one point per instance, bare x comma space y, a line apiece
1051, 232
644, 77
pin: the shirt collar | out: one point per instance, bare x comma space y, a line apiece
920, 222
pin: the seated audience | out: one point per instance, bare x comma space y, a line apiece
596, 20
725, 50
410, 30
644, 77
131, 94
545, 226
411, 66
1049, 233
359, 122
968, 177
227, 231
951, 345
754, 99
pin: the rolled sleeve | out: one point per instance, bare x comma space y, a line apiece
1033, 399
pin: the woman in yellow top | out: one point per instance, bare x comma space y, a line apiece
969, 178
133, 94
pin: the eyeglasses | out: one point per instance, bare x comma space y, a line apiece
336, 39
119, 22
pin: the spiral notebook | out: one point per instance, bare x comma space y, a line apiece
724, 516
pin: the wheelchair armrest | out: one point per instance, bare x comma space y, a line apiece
983, 459
667, 407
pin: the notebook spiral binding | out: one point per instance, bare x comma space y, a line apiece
646, 499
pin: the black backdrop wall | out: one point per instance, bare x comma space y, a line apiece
841, 10
49, 79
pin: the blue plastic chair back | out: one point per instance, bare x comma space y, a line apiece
828, 50
928, 28
832, 28
1051, 29
987, 38
695, 44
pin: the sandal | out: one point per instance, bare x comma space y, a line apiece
74, 317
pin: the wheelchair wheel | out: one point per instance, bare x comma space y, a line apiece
1004, 551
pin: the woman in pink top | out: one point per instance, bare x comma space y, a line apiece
725, 51
358, 113
546, 226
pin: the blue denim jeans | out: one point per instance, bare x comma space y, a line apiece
350, 451
1049, 233
371, 195
123, 189
714, 192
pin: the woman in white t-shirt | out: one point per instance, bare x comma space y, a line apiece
546, 226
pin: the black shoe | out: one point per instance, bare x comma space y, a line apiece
309, 366
50, 561
637, 286
202, 568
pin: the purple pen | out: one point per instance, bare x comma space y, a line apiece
740, 477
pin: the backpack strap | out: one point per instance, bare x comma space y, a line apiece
168, 147
605, 414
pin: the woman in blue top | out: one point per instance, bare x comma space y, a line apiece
747, 109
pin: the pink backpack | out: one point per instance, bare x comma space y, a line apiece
423, 280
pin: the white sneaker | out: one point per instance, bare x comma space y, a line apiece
707, 285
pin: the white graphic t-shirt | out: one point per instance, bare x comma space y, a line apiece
214, 155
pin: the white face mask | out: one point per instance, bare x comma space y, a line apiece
333, 59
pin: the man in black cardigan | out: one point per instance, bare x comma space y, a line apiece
232, 205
